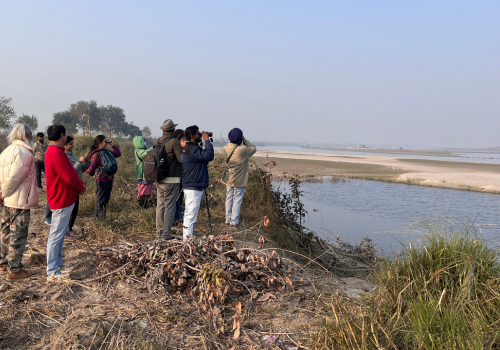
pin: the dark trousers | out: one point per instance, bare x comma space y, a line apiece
74, 213
39, 167
103, 194
48, 214
72, 218
178, 210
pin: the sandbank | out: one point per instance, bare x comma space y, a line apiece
483, 177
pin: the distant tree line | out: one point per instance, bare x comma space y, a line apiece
8, 115
88, 117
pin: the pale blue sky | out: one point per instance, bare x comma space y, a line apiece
393, 72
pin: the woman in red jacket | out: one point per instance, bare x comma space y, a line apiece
104, 182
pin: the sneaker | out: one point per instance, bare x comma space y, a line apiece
72, 235
66, 270
57, 276
14, 276
4, 267
167, 238
47, 223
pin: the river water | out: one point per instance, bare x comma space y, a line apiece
393, 214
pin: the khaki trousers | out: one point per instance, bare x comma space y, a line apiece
165, 208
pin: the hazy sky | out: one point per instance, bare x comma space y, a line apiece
375, 72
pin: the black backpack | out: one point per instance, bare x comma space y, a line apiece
155, 164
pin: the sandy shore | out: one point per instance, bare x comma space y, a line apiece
482, 177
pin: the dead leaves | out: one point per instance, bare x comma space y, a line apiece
272, 163
253, 293
266, 221
262, 242
46, 312
215, 315
209, 268
237, 322
266, 297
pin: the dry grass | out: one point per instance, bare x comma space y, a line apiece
118, 311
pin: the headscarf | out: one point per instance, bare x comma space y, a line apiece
235, 135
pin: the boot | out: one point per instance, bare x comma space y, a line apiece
4, 267
18, 275
143, 201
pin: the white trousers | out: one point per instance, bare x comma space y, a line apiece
192, 200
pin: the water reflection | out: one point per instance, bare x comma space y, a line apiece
388, 212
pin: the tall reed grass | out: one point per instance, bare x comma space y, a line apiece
441, 294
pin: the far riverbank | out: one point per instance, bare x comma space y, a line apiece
481, 177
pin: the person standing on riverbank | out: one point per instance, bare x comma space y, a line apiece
168, 188
103, 179
179, 135
144, 187
63, 187
39, 150
236, 154
80, 164
194, 175
18, 196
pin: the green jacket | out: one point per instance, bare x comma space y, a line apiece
140, 154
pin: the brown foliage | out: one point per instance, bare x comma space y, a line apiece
208, 268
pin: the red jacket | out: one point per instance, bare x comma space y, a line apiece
63, 182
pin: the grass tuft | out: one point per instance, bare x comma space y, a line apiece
442, 294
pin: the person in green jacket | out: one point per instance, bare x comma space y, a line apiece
144, 187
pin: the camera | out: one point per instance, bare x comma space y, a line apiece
108, 141
210, 134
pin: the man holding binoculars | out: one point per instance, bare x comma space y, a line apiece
194, 161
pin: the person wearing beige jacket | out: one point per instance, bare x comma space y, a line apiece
19, 194
237, 154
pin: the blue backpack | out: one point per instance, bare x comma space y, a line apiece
109, 164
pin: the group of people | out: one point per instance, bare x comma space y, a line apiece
185, 171
21, 165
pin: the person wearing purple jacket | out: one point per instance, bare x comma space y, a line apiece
104, 182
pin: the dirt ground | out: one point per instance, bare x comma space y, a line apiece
119, 312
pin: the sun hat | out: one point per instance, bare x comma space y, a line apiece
168, 125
